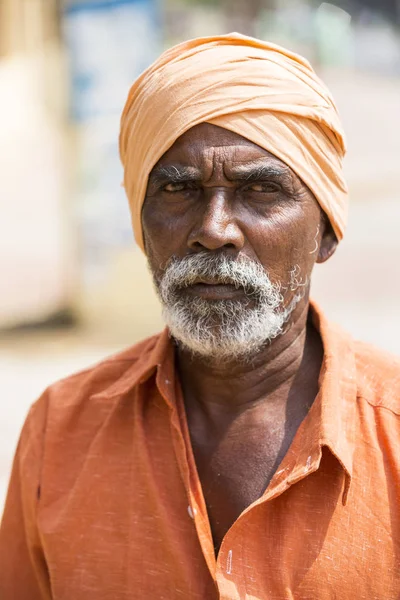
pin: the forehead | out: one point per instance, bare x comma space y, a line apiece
204, 140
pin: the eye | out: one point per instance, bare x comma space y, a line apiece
174, 187
266, 187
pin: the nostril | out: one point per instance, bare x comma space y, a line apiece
198, 246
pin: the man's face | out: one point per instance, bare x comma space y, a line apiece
232, 235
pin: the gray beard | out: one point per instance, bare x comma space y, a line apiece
222, 329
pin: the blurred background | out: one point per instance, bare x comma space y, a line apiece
73, 286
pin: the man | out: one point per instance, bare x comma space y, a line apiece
250, 450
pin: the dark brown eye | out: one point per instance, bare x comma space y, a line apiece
264, 188
174, 187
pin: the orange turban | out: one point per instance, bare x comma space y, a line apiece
258, 90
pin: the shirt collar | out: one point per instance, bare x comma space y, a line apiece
336, 401
156, 353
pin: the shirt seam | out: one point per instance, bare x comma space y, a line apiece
377, 405
37, 441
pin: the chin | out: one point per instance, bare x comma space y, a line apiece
215, 337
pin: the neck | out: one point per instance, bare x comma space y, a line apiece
268, 377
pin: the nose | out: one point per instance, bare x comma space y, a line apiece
217, 226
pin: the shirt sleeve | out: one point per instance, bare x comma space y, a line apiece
23, 570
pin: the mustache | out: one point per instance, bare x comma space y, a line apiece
241, 272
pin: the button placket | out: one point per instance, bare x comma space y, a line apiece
229, 575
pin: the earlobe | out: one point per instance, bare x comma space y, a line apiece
329, 242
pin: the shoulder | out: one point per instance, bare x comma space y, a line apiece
378, 376
78, 393
63, 423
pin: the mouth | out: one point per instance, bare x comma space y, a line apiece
213, 290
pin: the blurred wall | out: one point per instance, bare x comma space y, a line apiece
359, 286
108, 44
35, 240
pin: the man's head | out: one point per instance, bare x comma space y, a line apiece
231, 234
232, 152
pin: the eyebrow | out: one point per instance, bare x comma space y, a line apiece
174, 174
257, 170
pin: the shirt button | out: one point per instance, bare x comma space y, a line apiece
191, 511
229, 562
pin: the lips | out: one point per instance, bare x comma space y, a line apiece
214, 290
210, 281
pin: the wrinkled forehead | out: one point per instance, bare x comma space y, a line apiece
205, 143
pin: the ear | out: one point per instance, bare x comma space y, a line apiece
329, 241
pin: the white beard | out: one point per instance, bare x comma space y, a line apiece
222, 329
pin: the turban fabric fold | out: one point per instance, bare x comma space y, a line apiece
258, 90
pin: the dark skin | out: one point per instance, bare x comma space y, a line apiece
214, 191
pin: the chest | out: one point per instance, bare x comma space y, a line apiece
235, 470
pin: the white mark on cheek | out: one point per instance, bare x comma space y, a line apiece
296, 281
316, 242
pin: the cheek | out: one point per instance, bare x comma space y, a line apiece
162, 237
288, 238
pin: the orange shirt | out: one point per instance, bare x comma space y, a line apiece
105, 502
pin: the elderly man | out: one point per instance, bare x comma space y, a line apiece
250, 450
